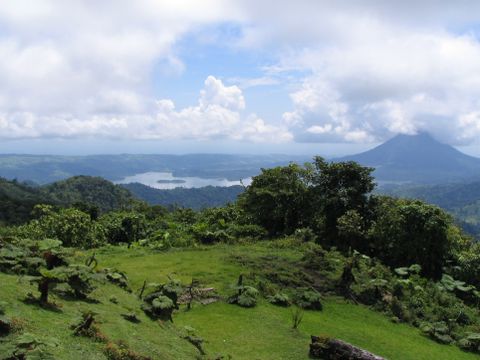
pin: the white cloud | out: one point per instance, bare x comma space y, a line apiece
356, 71
216, 116
374, 68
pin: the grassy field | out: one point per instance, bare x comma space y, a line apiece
263, 332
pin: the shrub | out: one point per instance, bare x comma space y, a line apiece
279, 299
72, 227
245, 296
123, 227
310, 300
163, 300
438, 331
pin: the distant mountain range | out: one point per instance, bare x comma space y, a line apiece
43, 169
418, 159
404, 159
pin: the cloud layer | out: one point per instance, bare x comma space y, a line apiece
355, 71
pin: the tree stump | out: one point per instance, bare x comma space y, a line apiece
326, 348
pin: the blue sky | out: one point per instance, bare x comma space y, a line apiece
233, 76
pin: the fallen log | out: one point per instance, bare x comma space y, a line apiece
326, 348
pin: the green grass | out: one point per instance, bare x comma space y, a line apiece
263, 332
147, 337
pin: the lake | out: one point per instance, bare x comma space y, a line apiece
166, 180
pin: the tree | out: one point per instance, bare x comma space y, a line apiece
72, 227
336, 189
277, 199
411, 232
123, 226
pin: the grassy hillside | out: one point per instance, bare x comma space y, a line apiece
147, 337
265, 332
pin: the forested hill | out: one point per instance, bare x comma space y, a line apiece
89, 190
17, 200
194, 198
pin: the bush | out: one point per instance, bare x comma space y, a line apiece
438, 331
280, 299
123, 227
245, 296
310, 300
72, 227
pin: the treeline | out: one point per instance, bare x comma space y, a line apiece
334, 202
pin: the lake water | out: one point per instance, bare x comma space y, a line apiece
166, 180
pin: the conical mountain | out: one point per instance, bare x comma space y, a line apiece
418, 159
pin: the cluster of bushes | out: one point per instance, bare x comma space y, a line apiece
45, 264
445, 310
152, 227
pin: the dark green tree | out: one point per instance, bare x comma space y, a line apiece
411, 232
337, 189
277, 199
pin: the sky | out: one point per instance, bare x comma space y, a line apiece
228, 76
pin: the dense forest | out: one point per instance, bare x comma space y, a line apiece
299, 237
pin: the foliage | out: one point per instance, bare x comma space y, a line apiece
30, 347
88, 192
276, 199
163, 300
244, 296
72, 227
280, 299
411, 232
123, 226
310, 300
297, 317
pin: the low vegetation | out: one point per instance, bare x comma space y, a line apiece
304, 251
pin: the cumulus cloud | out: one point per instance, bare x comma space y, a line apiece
374, 68
356, 71
391, 82
80, 68
216, 116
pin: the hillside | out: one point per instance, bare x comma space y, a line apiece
17, 201
418, 159
306, 250
194, 198
90, 190
263, 332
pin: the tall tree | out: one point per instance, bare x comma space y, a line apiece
338, 189
277, 199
